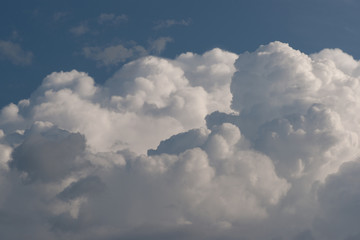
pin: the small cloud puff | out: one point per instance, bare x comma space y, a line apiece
80, 29
14, 53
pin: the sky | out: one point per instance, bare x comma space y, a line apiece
180, 119
51, 35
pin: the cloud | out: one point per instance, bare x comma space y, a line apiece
84, 186
199, 187
111, 18
60, 15
14, 53
158, 45
338, 204
215, 145
80, 29
88, 26
180, 142
113, 55
47, 153
297, 90
119, 53
171, 22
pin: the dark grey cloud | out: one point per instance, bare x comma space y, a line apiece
181, 142
306, 235
49, 155
83, 187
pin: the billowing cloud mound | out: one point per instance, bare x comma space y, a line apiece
47, 156
261, 145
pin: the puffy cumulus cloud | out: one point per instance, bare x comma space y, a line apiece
169, 191
277, 80
319, 132
301, 111
47, 154
161, 89
288, 99
212, 71
150, 91
228, 162
181, 191
338, 204
215, 146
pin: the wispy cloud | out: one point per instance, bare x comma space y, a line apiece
111, 18
113, 55
157, 46
14, 53
92, 25
80, 29
171, 22
59, 15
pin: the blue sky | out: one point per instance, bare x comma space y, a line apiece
43, 28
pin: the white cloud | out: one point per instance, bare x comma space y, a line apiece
291, 83
14, 53
212, 71
238, 146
